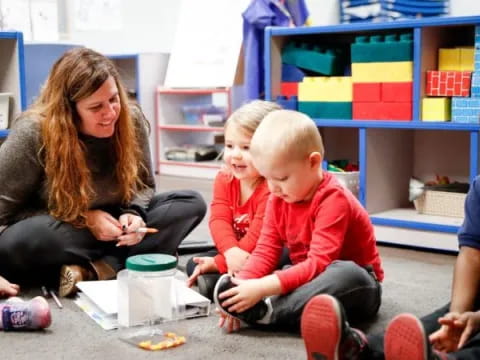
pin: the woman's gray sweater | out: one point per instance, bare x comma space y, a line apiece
23, 186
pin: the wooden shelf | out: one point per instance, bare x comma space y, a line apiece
191, 128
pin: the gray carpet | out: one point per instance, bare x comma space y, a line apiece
415, 282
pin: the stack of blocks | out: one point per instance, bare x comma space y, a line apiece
467, 109
327, 97
382, 77
453, 78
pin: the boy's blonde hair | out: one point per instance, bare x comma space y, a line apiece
286, 133
249, 116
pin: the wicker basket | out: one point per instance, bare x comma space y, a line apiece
441, 203
348, 179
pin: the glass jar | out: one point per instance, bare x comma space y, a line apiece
146, 290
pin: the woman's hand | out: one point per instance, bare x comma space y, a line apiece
205, 264
130, 223
235, 258
103, 225
7, 288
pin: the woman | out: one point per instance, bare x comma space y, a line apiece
77, 182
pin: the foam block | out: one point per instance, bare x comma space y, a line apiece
325, 89
436, 109
382, 48
448, 83
401, 71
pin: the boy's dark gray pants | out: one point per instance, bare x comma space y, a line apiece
354, 286
471, 350
36, 248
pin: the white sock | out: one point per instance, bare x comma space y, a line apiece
268, 316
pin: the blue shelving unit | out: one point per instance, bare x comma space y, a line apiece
389, 153
12, 68
39, 59
354, 11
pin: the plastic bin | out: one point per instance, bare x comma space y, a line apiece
350, 179
209, 115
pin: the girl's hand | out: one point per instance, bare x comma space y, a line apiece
230, 323
235, 258
130, 223
7, 288
103, 225
243, 296
205, 264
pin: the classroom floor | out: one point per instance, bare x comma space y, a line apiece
415, 282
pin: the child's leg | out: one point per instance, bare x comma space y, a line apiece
355, 287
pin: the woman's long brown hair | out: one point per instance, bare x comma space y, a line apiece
76, 75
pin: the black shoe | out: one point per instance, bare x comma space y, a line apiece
250, 316
326, 332
206, 284
405, 338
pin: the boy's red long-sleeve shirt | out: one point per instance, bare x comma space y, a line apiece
234, 224
333, 225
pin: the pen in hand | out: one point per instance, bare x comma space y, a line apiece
147, 230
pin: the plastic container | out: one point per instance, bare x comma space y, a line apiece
146, 293
17, 314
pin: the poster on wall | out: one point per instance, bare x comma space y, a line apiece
207, 44
102, 15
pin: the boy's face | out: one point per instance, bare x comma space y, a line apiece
292, 181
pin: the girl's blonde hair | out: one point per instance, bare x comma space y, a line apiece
250, 115
76, 75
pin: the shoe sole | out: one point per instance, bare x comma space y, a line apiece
405, 339
321, 327
215, 298
67, 284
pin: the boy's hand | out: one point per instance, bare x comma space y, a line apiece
235, 258
456, 330
205, 264
243, 296
7, 288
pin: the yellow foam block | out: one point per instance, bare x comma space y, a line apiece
449, 59
436, 109
398, 71
457, 59
331, 88
467, 59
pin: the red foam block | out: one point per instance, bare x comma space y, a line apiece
397, 91
448, 83
289, 89
367, 92
398, 111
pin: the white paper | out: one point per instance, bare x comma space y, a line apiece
15, 15
44, 20
207, 44
104, 294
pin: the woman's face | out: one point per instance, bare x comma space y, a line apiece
99, 112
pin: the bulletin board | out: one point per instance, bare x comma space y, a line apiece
207, 44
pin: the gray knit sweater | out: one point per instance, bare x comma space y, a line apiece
23, 186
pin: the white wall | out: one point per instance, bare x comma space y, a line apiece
324, 12
464, 7
148, 26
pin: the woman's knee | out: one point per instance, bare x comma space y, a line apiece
199, 207
31, 237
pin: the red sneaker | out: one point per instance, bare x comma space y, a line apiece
405, 339
326, 332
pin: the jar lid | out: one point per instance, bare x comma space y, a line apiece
151, 262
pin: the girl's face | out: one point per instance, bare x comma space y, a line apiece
99, 112
237, 153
